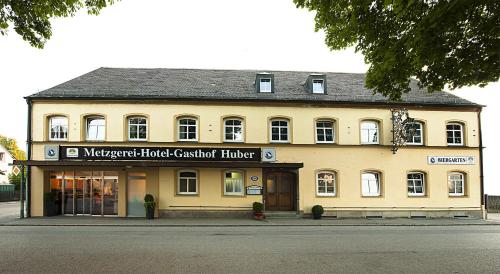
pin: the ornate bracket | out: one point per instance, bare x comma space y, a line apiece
403, 128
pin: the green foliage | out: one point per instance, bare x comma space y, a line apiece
317, 210
11, 146
149, 201
15, 179
258, 207
31, 19
50, 197
452, 43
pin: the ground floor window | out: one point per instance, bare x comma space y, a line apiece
325, 183
187, 182
416, 184
370, 184
456, 184
233, 183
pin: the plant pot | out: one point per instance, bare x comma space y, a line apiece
316, 216
50, 209
259, 216
150, 213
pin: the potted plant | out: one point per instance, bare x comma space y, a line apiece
317, 211
50, 203
258, 211
149, 205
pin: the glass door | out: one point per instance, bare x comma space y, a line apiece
68, 193
96, 198
136, 190
110, 193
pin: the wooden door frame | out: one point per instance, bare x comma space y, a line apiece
295, 175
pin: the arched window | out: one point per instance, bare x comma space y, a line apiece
234, 183
456, 184
369, 132
326, 183
325, 131
455, 134
137, 128
95, 128
418, 136
187, 182
416, 183
58, 128
370, 184
233, 130
280, 131
188, 129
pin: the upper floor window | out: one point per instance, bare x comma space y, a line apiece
188, 129
187, 182
325, 183
418, 134
325, 131
456, 184
369, 132
233, 183
370, 184
265, 85
58, 128
96, 128
137, 128
318, 86
280, 131
233, 130
416, 183
454, 134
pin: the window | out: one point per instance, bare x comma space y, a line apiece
188, 182
325, 183
233, 183
370, 184
417, 138
265, 85
324, 132
456, 184
416, 184
96, 127
188, 129
279, 131
369, 132
454, 134
318, 86
137, 129
233, 130
58, 128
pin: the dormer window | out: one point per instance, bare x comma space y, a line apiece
318, 86
265, 85
264, 82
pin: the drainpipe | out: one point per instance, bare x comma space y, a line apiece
481, 172
28, 157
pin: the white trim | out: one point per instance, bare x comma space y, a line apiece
279, 133
95, 117
462, 181
378, 181
187, 132
361, 129
322, 91
188, 178
270, 85
242, 192
454, 130
412, 143
326, 194
233, 126
137, 125
61, 126
423, 183
324, 129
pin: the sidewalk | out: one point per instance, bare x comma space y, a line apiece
220, 222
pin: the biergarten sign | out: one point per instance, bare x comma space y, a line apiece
159, 153
451, 160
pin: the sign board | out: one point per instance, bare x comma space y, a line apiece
254, 178
451, 160
16, 170
51, 152
268, 155
160, 153
254, 190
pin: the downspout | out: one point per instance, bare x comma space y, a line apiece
28, 157
481, 172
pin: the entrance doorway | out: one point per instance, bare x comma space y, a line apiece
136, 190
280, 191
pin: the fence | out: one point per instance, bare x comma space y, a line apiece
8, 193
493, 204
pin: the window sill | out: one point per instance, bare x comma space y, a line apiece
187, 194
326, 196
234, 196
457, 196
137, 140
372, 196
417, 196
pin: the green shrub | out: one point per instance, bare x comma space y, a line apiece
149, 198
318, 210
258, 207
50, 196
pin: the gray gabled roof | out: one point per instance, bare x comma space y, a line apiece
202, 84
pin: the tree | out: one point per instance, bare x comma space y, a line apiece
12, 147
31, 18
16, 180
441, 43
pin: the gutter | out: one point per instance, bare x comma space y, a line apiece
28, 157
481, 168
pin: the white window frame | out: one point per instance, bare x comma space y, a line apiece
61, 126
462, 181
233, 128
454, 132
187, 182
138, 125
421, 131
377, 131
413, 181
234, 193
195, 126
279, 130
87, 128
315, 89
324, 129
377, 180
334, 179
261, 85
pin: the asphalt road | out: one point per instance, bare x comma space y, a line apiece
457, 249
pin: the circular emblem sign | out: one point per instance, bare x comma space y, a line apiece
51, 152
254, 178
268, 155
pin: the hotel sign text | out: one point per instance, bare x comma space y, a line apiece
451, 160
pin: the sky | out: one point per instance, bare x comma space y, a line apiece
217, 34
